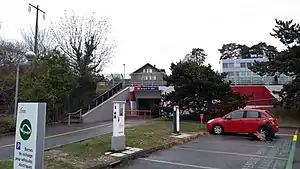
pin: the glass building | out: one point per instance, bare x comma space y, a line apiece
238, 72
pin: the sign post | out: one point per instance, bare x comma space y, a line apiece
201, 119
176, 120
118, 138
30, 136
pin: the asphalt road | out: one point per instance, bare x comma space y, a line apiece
62, 134
221, 152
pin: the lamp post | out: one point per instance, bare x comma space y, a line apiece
124, 74
29, 56
36, 24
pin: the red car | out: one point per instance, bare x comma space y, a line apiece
242, 121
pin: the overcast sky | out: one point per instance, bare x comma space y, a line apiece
162, 31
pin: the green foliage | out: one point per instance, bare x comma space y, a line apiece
233, 50
7, 124
284, 62
196, 86
50, 80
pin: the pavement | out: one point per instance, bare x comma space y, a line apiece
222, 152
61, 134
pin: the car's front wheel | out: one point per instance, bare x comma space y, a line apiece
217, 129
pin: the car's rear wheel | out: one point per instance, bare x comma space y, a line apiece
217, 129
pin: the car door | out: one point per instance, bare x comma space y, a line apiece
234, 122
251, 121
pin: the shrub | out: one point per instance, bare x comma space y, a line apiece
7, 124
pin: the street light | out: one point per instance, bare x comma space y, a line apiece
29, 56
124, 74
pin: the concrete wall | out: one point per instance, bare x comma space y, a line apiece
104, 111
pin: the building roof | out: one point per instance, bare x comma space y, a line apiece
148, 64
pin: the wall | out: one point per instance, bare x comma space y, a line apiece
104, 111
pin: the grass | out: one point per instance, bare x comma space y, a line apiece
90, 152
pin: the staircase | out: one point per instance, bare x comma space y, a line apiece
76, 117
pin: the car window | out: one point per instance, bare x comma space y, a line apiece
271, 114
262, 115
252, 114
237, 115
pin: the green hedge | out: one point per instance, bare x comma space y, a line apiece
7, 124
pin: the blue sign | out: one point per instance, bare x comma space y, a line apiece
18, 145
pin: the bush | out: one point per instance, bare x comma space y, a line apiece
7, 124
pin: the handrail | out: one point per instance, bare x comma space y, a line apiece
106, 91
90, 106
73, 113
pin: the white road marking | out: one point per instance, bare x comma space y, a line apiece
177, 164
66, 133
231, 153
223, 142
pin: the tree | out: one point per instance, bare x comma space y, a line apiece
197, 54
284, 62
196, 86
45, 39
11, 52
85, 40
230, 50
233, 50
51, 80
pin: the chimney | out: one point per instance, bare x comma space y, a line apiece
154, 65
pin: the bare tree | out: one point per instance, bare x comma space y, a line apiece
45, 39
85, 40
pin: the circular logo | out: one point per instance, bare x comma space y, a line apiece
25, 129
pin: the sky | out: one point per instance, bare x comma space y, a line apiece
160, 32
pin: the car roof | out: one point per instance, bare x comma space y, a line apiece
259, 110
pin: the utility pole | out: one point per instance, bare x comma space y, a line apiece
36, 25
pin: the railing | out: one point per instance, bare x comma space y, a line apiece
100, 99
79, 112
138, 113
103, 97
146, 83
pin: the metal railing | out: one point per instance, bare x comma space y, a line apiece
97, 101
79, 112
138, 114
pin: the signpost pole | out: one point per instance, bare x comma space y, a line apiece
30, 136
118, 137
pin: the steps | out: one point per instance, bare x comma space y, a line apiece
76, 117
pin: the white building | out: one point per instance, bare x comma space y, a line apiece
238, 72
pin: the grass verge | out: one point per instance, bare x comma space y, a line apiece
90, 152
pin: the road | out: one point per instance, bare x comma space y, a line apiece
62, 134
221, 152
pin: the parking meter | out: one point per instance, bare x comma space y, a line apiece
118, 138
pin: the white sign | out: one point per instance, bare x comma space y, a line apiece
119, 118
177, 119
30, 136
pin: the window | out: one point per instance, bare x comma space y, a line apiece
146, 77
231, 65
144, 70
237, 115
243, 64
237, 73
249, 64
262, 115
150, 77
252, 114
225, 65
154, 77
230, 73
243, 74
149, 70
